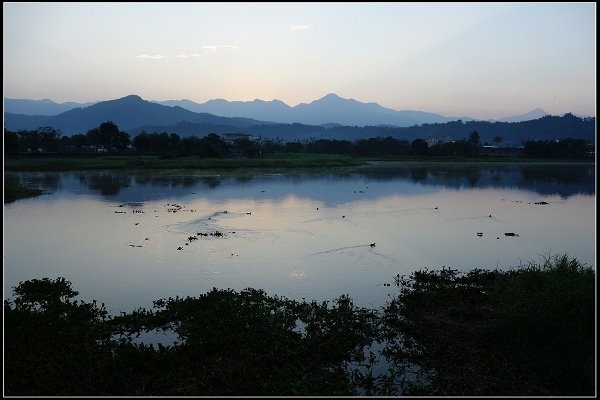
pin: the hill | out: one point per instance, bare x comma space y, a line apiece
128, 113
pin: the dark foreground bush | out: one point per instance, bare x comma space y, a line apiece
529, 331
524, 332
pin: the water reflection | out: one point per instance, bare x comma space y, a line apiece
128, 238
563, 180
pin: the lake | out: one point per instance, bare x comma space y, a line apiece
128, 238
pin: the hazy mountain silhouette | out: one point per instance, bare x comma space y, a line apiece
533, 114
328, 109
39, 107
133, 115
128, 112
274, 110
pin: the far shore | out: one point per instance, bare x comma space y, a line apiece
53, 162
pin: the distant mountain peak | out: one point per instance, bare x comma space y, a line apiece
533, 114
132, 97
330, 97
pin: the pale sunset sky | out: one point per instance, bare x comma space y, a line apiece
483, 60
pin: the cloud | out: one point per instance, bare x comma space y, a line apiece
154, 57
188, 55
299, 27
212, 49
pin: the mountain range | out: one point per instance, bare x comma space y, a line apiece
128, 112
329, 110
133, 115
39, 107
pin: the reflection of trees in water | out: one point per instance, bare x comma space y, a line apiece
458, 175
418, 174
561, 180
243, 178
108, 183
175, 181
567, 175
42, 180
564, 180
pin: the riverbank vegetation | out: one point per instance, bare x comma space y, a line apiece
524, 332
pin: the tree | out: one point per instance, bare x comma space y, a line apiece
498, 140
49, 138
419, 147
93, 137
245, 146
11, 143
474, 138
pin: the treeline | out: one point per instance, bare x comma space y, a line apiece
549, 127
567, 148
108, 138
514, 133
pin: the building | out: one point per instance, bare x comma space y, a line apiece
232, 137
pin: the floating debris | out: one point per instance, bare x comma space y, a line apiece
180, 248
137, 223
132, 204
372, 245
511, 234
214, 234
541, 202
480, 234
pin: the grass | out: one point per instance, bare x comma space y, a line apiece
529, 331
275, 161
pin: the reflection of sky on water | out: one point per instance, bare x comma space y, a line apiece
563, 180
302, 236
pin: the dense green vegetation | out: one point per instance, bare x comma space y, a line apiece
528, 331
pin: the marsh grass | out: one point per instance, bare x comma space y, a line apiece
528, 331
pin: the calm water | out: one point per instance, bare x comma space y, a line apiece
115, 235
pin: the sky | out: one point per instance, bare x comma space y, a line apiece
483, 60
